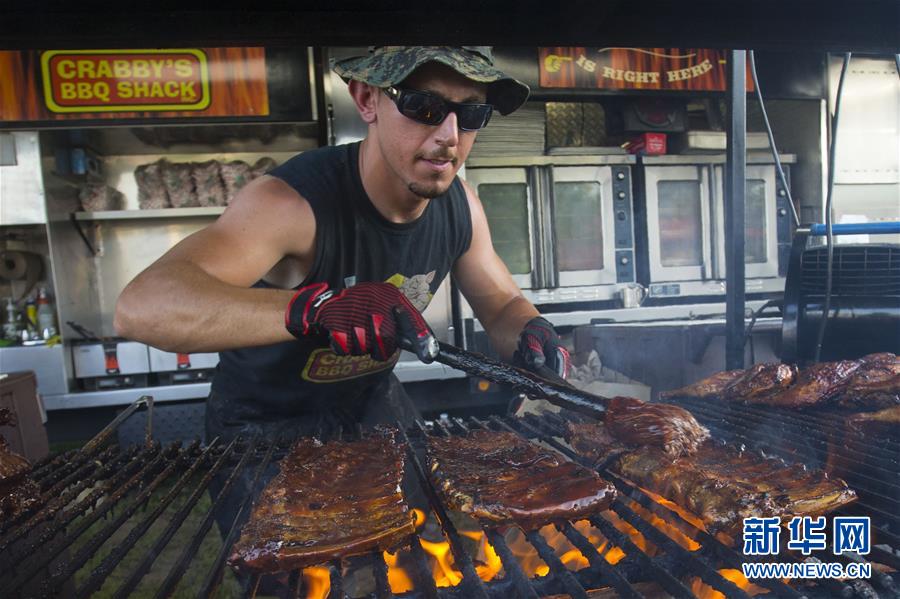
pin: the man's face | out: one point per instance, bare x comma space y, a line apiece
426, 158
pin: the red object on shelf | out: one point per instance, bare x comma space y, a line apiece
648, 144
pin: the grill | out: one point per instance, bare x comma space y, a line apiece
123, 520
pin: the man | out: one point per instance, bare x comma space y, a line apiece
312, 277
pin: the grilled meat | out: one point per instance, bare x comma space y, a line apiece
886, 420
875, 384
759, 382
12, 465
17, 491
669, 427
593, 441
499, 477
328, 501
711, 386
815, 385
722, 486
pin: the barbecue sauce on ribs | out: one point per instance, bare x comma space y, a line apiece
759, 382
719, 484
875, 384
671, 428
499, 477
711, 386
328, 501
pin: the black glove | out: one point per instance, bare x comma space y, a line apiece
366, 319
539, 345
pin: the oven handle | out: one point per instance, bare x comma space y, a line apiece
887, 228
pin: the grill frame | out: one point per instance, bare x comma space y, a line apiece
134, 475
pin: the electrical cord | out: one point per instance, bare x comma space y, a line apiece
829, 235
765, 116
748, 336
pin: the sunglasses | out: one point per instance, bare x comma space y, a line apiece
429, 109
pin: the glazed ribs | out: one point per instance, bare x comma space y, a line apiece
875, 384
328, 501
870, 383
815, 385
711, 386
718, 484
499, 477
671, 428
723, 486
760, 382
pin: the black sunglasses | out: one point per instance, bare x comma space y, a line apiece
429, 109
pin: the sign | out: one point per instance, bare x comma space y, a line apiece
109, 81
664, 69
62, 85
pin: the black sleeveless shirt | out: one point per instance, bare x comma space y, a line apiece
354, 244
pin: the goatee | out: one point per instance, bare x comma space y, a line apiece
428, 191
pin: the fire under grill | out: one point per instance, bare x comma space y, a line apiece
118, 521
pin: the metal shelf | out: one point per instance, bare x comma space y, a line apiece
123, 397
160, 213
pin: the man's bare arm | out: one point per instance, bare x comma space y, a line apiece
197, 296
485, 281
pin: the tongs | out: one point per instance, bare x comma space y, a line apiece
550, 386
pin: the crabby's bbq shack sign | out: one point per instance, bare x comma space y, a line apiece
106, 80
669, 69
141, 83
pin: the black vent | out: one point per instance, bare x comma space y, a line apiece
858, 270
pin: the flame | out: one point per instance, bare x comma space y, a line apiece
686, 515
398, 578
317, 582
419, 516
704, 591
671, 531
490, 564
445, 575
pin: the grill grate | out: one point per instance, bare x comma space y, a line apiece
100, 503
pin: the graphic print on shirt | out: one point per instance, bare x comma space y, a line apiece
416, 288
324, 366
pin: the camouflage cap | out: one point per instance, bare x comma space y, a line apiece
385, 66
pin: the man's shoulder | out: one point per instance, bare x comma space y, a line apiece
315, 160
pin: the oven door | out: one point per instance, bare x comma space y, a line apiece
506, 197
678, 222
760, 226
582, 212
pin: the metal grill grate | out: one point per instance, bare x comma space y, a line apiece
99, 505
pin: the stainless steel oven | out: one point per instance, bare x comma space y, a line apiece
684, 204
563, 225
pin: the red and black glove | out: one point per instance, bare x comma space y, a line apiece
366, 319
540, 346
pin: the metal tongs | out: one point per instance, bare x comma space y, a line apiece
550, 386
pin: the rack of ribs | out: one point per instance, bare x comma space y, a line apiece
499, 477
710, 387
328, 501
759, 382
875, 384
718, 484
815, 385
671, 428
